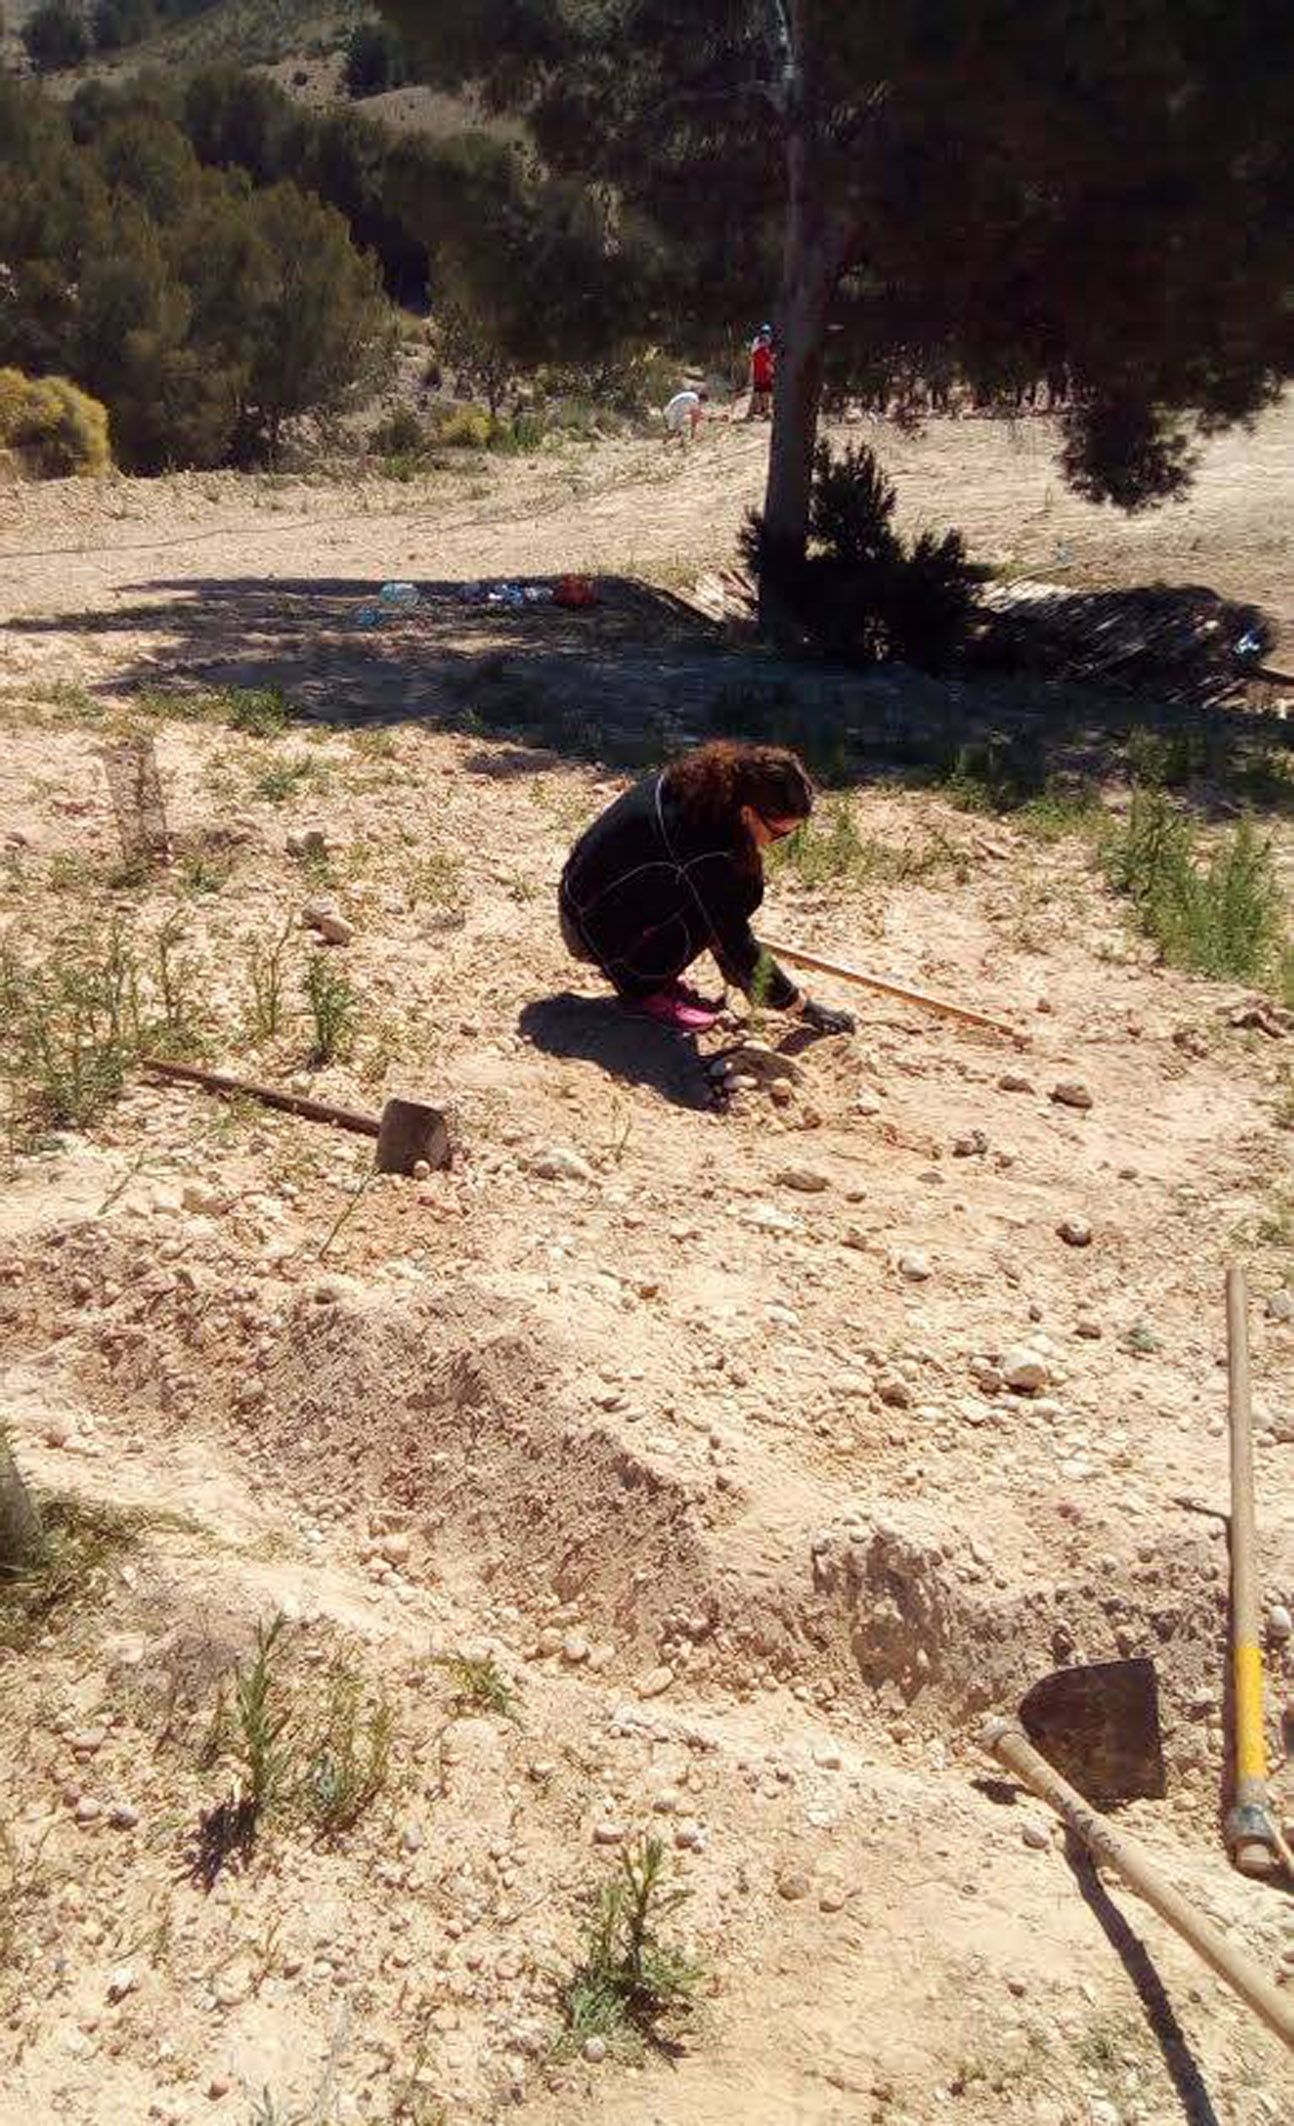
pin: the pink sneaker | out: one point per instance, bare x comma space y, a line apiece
668, 1008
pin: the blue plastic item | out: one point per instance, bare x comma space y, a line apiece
402, 596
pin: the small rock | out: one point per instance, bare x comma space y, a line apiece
866, 1103
915, 1267
972, 1145
1025, 1371
219, 2085
1075, 1232
1102, 2113
326, 919
395, 1548
655, 1682
1280, 1624
894, 1392
558, 1163
595, 2050
310, 842
233, 1986
689, 1837
575, 1649
123, 1816
422, 1170
1071, 1092
1036, 1836
609, 1833
87, 1740
1012, 1082
805, 1178
124, 1980
833, 1898
1280, 1306
793, 1884
413, 1838
1088, 1327
88, 1810
827, 1756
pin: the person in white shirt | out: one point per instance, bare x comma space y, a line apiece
685, 413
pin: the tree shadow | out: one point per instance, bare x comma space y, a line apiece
1053, 695
634, 1051
1183, 2068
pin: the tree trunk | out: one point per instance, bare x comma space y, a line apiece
809, 272
20, 1529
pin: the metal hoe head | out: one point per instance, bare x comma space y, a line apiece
1099, 1727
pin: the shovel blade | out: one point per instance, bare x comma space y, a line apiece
1099, 1726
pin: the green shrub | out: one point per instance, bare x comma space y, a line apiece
55, 36
859, 593
1223, 916
52, 428
400, 435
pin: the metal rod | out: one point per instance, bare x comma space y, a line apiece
215, 1081
1249, 1826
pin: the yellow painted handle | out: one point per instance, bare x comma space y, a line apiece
1251, 1748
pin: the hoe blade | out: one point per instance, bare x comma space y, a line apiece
1099, 1727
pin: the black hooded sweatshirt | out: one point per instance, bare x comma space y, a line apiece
648, 891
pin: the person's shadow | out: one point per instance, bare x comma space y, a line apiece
636, 1050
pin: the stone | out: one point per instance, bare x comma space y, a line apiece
311, 842
1280, 1306
233, 1986
559, 1163
1075, 1232
1071, 1092
422, 1170
827, 1756
123, 1816
121, 1981
972, 1145
805, 1178
1012, 1082
88, 1810
1036, 1836
87, 1740
914, 1266
793, 1884
1280, 1624
894, 1392
833, 1898
575, 1649
866, 1102
1088, 1327
328, 922
689, 1837
1025, 1371
595, 2050
609, 1833
395, 1547
655, 1682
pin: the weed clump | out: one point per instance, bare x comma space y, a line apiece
63, 1567
480, 1685
629, 1980
1222, 915
332, 1004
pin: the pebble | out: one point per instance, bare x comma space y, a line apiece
833, 1899
575, 1649
827, 1756
422, 1170
395, 1548
123, 1816
1102, 2113
87, 1740
609, 1833
895, 1393
88, 1810
655, 1682
310, 842
124, 1980
233, 1986
1036, 1836
1086, 1326
915, 1267
1012, 1082
971, 1146
595, 2050
1280, 1306
1280, 1624
1025, 1371
1071, 1092
793, 1885
1075, 1232
559, 1163
689, 1837
805, 1178
325, 918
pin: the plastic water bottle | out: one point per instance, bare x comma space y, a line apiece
1250, 644
402, 597
368, 616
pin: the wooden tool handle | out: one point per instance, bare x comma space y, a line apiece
923, 997
215, 1081
1252, 1854
1012, 1747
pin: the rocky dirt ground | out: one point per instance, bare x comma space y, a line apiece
763, 1451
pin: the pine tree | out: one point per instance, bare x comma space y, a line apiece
979, 190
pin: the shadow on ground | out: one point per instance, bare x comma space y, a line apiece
643, 673
635, 1051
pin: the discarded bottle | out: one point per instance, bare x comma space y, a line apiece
402, 596
1250, 644
368, 616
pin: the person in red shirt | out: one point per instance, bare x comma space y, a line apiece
762, 364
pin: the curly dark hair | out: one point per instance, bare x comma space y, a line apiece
713, 783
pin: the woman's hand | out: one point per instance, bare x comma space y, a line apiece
823, 1019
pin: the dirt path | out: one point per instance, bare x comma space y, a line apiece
698, 1424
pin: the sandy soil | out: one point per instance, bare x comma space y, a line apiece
695, 1421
